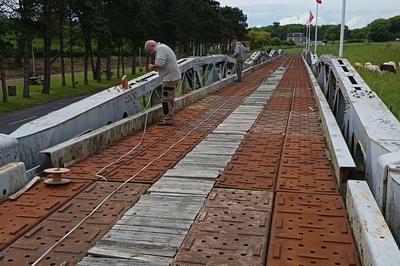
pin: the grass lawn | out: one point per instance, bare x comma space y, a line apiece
386, 85
57, 92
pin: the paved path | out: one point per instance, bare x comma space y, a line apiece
11, 121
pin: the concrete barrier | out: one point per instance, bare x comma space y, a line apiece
375, 243
8, 149
392, 201
12, 178
340, 154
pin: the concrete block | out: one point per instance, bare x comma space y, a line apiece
375, 242
12, 178
8, 149
393, 201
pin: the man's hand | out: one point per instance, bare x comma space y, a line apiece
152, 67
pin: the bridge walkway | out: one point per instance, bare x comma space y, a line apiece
243, 178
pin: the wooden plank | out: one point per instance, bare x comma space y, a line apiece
129, 250
170, 199
167, 214
185, 164
178, 195
192, 172
151, 222
215, 157
216, 143
25, 188
223, 137
149, 229
171, 240
101, 261
182, 186
168, 205
216, 151
185, 182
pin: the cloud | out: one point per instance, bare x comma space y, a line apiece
356, 23
302, 19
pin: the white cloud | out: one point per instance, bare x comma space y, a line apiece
265, 12
356, 23
302, 19
291, 20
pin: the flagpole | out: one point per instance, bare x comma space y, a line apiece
316, 32
342, 29
309, 36
306, 35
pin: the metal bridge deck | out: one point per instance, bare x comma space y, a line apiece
243, 178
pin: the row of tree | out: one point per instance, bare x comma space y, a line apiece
105, 28
379, 30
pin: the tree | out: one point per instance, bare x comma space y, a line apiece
6, 49
276, 41
379, 30
258, 37
395, 26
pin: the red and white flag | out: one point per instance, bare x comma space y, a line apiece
310, 18
319, 1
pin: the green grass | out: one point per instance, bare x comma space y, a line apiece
387, 86
57, 92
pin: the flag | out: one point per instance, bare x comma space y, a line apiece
311, 17
319, 1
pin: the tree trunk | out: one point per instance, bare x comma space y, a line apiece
118, 61
91, 57
3, 80
108, 68
71, 52
86, 60
27, 45
98, 69
133, 72
98, 60
123, 63
61, 21
27, 65
46, 54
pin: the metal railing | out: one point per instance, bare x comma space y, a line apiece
371, 131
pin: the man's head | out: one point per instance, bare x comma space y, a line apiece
234, 40
150, 46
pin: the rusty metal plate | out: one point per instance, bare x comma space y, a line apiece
310, 230
34, 243
255, 163
305, 124
153, 147
306, 178
231, 229
19, 216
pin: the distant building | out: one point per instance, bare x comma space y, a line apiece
298, 37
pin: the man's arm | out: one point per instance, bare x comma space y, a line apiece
161, 58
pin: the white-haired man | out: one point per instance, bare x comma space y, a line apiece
239, 56
167, 67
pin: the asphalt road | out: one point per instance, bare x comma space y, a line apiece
11, 121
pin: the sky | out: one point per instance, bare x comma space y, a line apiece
359, 13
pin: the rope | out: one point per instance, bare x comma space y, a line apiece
130, 178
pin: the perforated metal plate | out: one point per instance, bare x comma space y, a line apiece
231, 229
34, 243
18, 216
310, 229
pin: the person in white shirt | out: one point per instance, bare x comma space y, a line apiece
239, 56
167, 67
